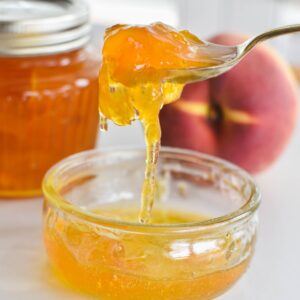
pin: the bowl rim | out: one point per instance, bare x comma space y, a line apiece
241, 214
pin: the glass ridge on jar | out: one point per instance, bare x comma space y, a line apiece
48, 90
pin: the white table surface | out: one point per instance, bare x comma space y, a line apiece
274, 273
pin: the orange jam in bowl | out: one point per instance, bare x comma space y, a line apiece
199, 243
48, 90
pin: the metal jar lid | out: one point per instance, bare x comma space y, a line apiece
38, 27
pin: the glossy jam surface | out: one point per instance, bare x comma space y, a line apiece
136, 81
48, 110
119, 264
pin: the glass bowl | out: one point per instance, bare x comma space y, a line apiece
97, 247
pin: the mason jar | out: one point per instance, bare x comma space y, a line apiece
48, 90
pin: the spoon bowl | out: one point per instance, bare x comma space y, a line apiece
220, 58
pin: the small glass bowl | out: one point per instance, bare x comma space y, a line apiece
113, 258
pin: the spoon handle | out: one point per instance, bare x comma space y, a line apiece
248, 45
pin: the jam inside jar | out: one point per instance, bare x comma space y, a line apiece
48, 100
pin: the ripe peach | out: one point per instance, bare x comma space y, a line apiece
246, 115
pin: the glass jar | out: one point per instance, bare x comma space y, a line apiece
113, 258
48, 90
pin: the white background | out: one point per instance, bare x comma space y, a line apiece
275, 270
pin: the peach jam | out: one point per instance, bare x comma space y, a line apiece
138, 76
48, 90
115, 268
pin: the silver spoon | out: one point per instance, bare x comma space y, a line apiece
224, 57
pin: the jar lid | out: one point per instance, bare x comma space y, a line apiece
37, 27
